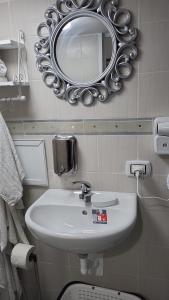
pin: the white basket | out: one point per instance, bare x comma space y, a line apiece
78, 291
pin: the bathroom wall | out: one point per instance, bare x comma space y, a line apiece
141, 264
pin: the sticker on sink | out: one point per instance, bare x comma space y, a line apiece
99, 216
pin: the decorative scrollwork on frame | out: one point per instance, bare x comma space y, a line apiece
119, 24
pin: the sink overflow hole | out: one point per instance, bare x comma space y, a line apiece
84, 212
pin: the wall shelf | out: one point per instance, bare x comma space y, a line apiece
16, 62
9, 44
12, 83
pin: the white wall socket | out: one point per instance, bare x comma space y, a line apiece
131, 166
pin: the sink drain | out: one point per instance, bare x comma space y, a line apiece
84, 212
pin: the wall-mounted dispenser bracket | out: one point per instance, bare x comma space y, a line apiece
161, 136
65, 154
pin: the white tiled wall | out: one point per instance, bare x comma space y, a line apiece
141, 265
144, 95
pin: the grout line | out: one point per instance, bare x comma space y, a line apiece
98, 154
120, 173
153, 244
138, 76
138, 92
155, 21
154, 72
10, 18
137, 146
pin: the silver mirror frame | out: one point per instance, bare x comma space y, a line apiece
120, 66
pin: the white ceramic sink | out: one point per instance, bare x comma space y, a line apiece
60, 219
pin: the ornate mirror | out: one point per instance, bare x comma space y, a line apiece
85, 49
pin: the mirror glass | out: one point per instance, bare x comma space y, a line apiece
83, 49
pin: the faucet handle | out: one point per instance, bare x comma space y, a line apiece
85, 185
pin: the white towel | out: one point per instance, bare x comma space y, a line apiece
11, 171
21, 237
3, 226
11, 190
3, 279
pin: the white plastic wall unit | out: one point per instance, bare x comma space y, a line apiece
161, 136
33, 158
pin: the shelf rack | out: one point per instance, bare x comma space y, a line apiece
10, 44
12, 83
19, 79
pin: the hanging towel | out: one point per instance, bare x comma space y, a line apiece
12, 235
3, 226
21, 237
11, 231
11, 171
3, 278
11, 190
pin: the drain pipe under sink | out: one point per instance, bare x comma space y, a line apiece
83, 263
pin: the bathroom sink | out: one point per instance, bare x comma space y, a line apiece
62, 220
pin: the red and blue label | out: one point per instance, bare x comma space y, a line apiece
99, 216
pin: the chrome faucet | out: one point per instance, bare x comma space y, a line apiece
85, 190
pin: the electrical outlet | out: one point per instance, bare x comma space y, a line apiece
141, 165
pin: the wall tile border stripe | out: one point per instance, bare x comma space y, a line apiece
82, 127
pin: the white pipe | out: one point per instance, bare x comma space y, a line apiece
83, 263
